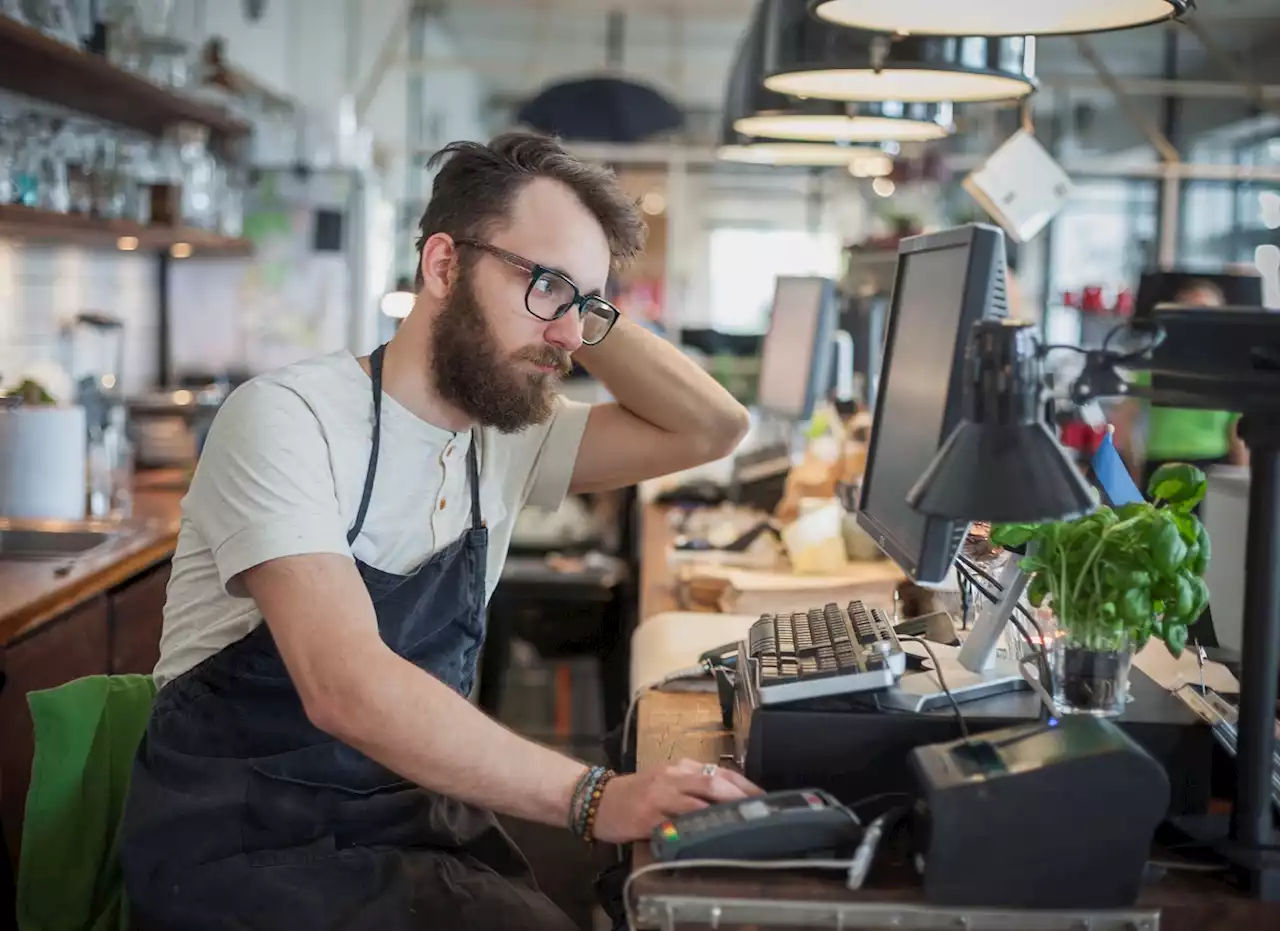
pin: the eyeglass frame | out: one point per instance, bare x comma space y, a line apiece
535, 271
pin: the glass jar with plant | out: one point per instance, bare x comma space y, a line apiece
1114, 579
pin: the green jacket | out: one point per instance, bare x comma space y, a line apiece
86, 735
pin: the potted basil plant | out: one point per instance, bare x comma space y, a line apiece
1114, 579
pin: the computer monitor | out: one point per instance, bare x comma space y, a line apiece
795, 357
945, 283
864, 320
1164, 287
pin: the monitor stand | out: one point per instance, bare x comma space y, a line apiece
972, 671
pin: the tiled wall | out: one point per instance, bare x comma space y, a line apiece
43, 286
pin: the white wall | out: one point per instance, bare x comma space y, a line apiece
701, 202
41, 286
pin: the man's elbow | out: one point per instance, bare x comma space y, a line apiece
725, 431
335, 702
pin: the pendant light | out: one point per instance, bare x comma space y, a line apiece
806, 57
782, 117
751, 115
755, 111
997, 17
861, 161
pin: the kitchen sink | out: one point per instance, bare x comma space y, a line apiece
25, 543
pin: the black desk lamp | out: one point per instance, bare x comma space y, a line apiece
1001, 464
1001, 461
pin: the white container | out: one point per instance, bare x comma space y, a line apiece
43, 462
814, 540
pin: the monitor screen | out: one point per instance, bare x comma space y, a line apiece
945, 283
1165, 288
795, 358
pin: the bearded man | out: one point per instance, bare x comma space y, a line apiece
312, 759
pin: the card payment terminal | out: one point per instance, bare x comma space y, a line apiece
779, 826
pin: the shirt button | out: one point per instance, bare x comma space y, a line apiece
442, 503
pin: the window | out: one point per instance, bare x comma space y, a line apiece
746, 262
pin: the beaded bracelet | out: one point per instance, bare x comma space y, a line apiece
578, 791
583, 802
593, 805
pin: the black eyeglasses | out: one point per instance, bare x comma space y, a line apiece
551, 295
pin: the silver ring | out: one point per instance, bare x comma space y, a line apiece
710, 769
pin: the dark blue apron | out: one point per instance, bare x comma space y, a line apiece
244, 815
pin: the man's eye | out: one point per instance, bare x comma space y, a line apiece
542, 285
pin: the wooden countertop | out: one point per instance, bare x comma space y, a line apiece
675, 725
37, 591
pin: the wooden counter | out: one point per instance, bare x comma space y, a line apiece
34, 592
676, 725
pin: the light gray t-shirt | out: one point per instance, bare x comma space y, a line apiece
282, 475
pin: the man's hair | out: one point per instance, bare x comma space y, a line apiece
476, 185
1193, 285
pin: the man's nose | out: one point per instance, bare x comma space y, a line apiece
566, 333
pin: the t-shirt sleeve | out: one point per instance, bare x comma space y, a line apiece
264, 486
540, 460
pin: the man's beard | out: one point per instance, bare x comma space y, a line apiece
472, 375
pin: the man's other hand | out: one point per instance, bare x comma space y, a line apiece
633, 805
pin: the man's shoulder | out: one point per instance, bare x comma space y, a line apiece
329, 386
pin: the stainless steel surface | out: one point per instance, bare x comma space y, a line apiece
49, 544
37, 540
669, 911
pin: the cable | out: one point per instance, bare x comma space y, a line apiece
689, 672
965, 567
1157, 338
987, 594
986, 576
1048, 348
937, 669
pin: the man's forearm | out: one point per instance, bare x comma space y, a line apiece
658, 383
421, 729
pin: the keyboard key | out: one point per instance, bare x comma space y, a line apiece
863, 628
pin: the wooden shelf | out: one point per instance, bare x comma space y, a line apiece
28, 225
33, 64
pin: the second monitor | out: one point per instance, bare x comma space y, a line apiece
795, 357
945, 283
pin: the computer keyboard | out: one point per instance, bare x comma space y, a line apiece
824, 651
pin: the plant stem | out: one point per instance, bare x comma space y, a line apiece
1102, 539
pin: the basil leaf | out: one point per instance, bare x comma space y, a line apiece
1010, 536
1179, 484
1201, 562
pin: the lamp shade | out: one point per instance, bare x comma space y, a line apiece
868, 161
807, 57
601, 109
997, 17
762, 147
755, 111
780, 117
1001, 463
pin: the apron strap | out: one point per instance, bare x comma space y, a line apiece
473, 479
375, 371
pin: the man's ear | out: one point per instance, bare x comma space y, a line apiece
439, 265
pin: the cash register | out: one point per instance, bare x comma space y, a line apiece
824, 700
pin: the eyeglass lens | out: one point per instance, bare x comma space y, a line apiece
549, 293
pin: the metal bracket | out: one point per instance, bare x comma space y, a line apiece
663, 911
880, 47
